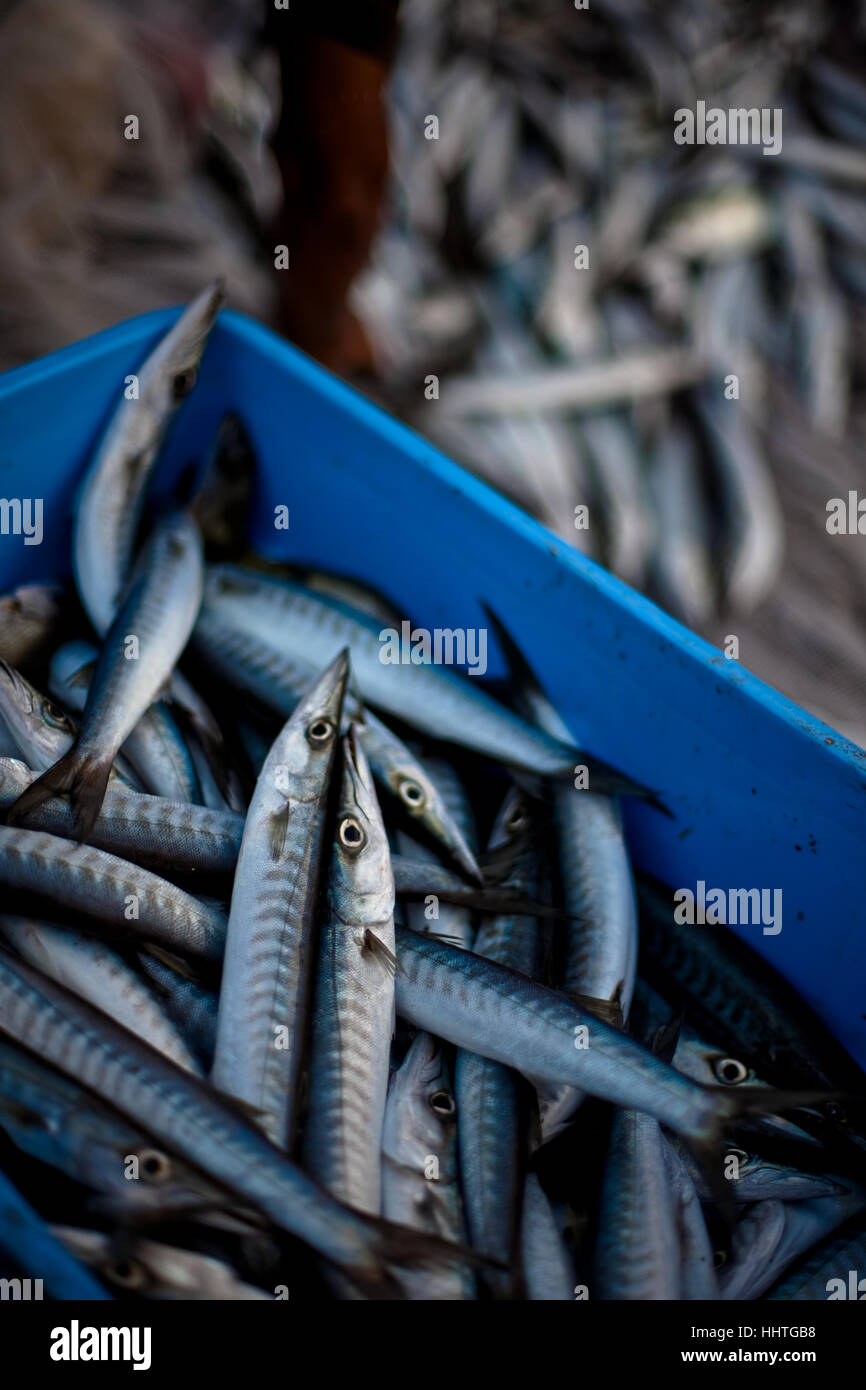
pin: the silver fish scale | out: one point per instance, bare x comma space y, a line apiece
269, 946
98, 884
432, 698
273, 988
638, 1251
478, 1005
179, 1110
351, 1052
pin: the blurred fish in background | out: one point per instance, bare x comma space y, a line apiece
669, 336
559, 295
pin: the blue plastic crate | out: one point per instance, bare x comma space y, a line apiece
762, 794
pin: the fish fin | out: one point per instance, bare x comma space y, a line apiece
81, 778
444, 936
278, 829
705, 1144
83, 675
390, 1244
175, 963
608, 1010
372, 943
251, 1113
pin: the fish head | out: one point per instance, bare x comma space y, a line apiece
512, 822
362, 880
306, 745
176, 362
423, 801
41, 730
35, 604
421, 1109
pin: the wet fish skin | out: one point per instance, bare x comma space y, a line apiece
42, 733
110, 501
190, 1118
155, 747
353, 1006
155, 1270
270, 938
110, 890
548, 1270
278, 681
419, 1163
97, 973
191, 1005
433, 699
165, 836
49, 1117
159, 610
809, 1277
638, 1253
486, 1008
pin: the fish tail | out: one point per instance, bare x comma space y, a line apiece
399, 1247
80, 778
705, 1141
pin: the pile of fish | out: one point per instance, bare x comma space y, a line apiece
319, 976
600, 320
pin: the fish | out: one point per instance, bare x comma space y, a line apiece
353, 1006
28, 620
50, 1118
109, 504
430, 698
638, 1248
824, 1272
548, 1269
493, 1133
270, 941
155, 1270
278, 681
420, 1176
484, 1007
42, 732
110, 891
99, 974
189, 1003
155, 749
193, 1121
150, 631
166, 836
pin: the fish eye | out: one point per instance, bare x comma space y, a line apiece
443, 1103
720, 1258
834, 1111
730, 1071
352, 836
154, 1165
412, 794
128, 1273
320, 732
54, 716
183, 384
